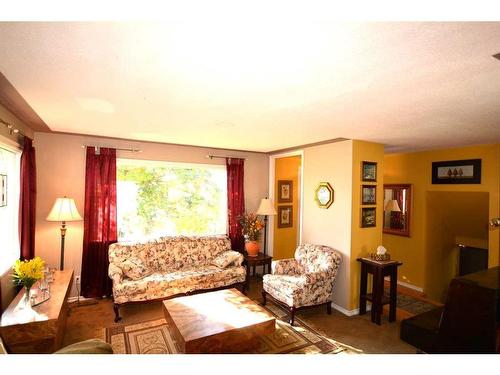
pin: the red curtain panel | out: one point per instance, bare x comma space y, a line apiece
27, 200
235, 200
99, 229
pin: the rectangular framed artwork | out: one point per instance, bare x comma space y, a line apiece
368, 217
285, 191
368, 194
369, 171
285, 216
457, 172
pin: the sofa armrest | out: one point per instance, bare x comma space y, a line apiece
93, 346
115, 273
285, 267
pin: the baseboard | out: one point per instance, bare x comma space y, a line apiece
349, 312
81, 299
406, 285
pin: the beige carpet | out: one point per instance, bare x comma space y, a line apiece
153, 337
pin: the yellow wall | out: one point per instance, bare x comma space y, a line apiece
415, 168
285, 239
364, 240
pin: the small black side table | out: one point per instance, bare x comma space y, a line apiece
260, 260
379, 270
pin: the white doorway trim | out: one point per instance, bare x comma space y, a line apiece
272, 174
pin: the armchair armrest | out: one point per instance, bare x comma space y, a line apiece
285, 267
115, 273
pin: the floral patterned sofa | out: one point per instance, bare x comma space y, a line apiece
306, 280
171, 266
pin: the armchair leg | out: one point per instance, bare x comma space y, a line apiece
264, 299
329, 308
117, 312
292, 315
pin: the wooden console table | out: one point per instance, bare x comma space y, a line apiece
379, 270
43, 330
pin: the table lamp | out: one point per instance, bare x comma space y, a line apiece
266, 208
64, 210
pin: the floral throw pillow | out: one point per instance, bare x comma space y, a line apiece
135, 269
227, 258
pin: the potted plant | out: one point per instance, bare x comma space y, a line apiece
27, 273
251, 228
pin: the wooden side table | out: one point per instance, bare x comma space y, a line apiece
260, 260
42, 330
379, 270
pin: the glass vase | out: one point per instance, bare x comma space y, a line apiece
27, 300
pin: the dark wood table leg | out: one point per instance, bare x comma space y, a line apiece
248, 277
362, 290
254, 266
393, 294
378, 283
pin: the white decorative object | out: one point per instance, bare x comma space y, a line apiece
381, 250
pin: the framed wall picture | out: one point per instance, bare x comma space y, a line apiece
368, 194
368, 217
285, 216
457, 172
369, 171
285, 191
3, 190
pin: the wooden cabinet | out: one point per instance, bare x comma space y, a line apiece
41, 331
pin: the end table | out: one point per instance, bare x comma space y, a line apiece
260, 260
379, 269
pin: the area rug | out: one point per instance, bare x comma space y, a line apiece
153, 337
413, 305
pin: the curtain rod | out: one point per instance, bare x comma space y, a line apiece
12, 129
116, 148
223, 157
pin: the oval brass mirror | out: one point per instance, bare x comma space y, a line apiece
397, 209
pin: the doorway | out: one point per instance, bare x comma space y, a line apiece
286, 192
456, 238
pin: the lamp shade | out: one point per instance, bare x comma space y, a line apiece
266, 207
392, 205
64, 209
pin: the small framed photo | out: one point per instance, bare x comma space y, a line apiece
285, 216
369, 171
368, 217
285, 191
457, 172
368, 194
3, 190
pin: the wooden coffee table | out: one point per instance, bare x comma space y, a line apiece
224, 321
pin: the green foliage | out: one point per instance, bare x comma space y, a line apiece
186, 197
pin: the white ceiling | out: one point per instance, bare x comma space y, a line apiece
261, 86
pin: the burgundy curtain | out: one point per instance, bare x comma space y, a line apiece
27, 200
235, 201
99, 229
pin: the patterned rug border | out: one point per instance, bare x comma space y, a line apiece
109, 332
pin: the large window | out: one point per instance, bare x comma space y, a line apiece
159, 198
9, 207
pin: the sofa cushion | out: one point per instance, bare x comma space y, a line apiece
162, 285
227, 258
135, 269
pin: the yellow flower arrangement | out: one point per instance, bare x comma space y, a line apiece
28, 272
250, 226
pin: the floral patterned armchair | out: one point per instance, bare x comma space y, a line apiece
306, 280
